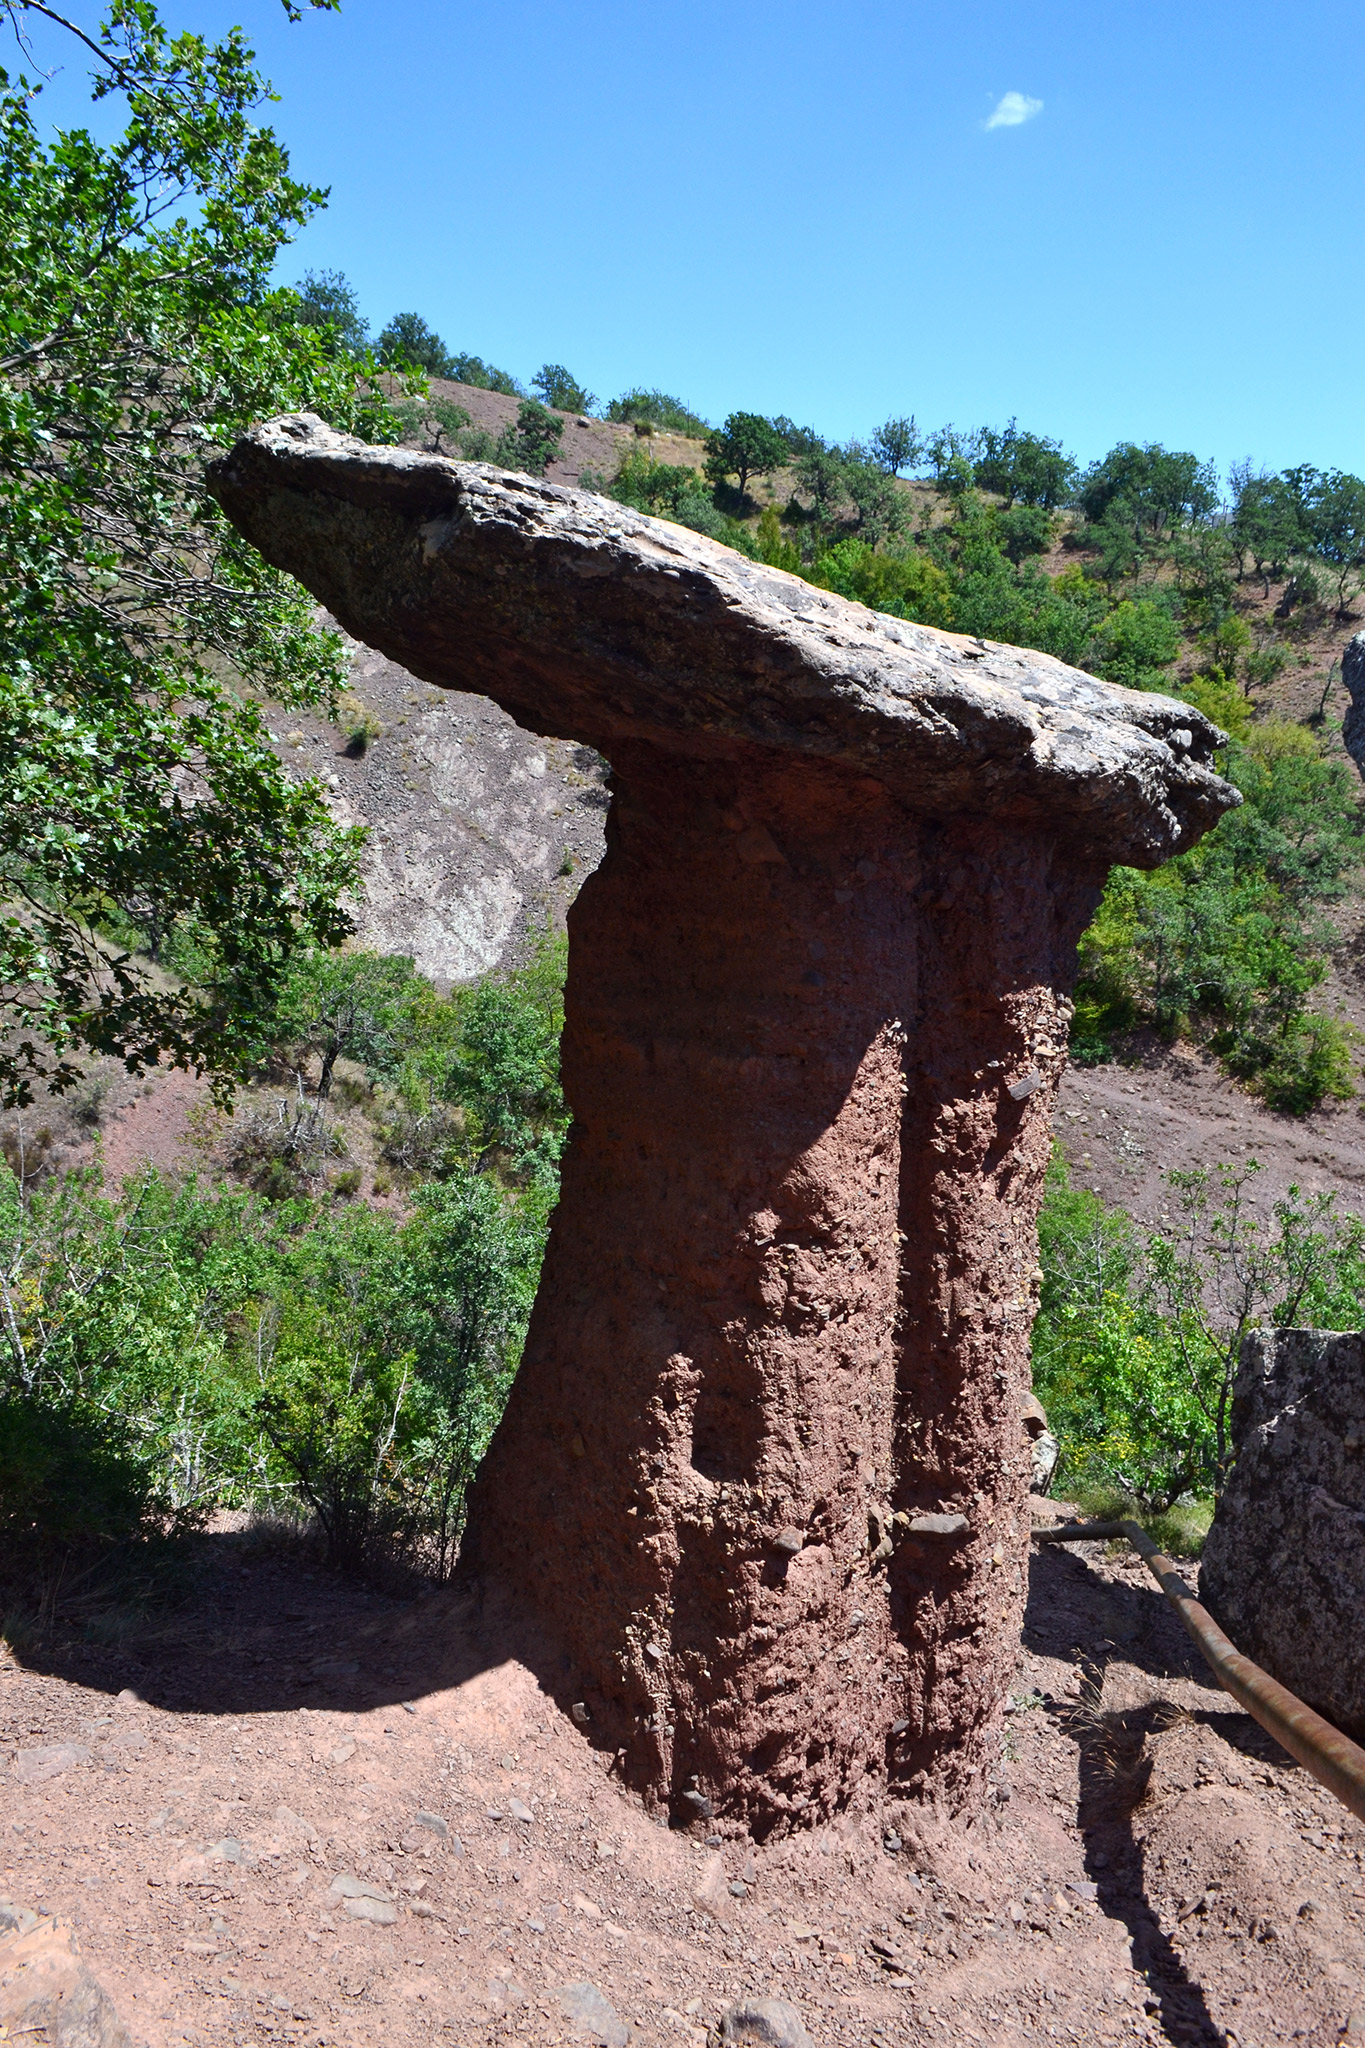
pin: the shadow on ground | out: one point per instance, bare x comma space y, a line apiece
1137, 1627
237, 1632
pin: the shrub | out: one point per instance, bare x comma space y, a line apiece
284, 1151
1139, 1332
358, 723
339, 1422
1136, 644
1021, 531
504, 1073
1222, 699
657, 487
74, 1479
1230, 939
534, 442
657, 409
430, 420
907, 586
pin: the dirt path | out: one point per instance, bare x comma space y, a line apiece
214, 1805
1122, 1128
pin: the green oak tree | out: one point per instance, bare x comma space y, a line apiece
408, 343
897, 445
746, 446
556, 386
327, 298
139, 637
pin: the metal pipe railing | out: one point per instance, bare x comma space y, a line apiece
1332, 1758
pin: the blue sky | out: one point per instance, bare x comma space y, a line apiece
800, 209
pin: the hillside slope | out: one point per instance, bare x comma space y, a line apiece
480, 833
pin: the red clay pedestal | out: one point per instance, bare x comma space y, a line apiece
784, 1316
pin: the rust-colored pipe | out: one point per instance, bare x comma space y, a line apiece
1333, 1759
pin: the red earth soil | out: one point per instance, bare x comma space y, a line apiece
1149, 1868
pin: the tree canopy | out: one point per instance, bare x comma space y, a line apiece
408, 343
556, 386
746, 446
327, 298
139, 636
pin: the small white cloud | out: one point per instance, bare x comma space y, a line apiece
1014, 109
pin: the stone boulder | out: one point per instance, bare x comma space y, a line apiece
1284, 1564
46, 1991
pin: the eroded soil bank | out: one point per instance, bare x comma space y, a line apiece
1148, 1867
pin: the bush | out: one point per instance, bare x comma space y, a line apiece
657, 409
75, 1480
1021, 531
504, 1072
907, 586
358, 723
1229, 940
430, 420
662, 488
670, 491
1139, 1333
1136, 644
534, 442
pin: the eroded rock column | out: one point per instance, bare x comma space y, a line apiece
793, 1019
762, 1477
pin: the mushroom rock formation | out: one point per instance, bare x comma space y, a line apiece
763, 1475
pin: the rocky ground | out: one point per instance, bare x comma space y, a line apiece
1123, 1128
298, 1811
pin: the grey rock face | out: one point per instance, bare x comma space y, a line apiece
591, 622
762, 2023
479, 832
1044, 1449
593, 2015
1353, 675
1284, 1564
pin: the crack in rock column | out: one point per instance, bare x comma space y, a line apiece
684, 1472
762, 1478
